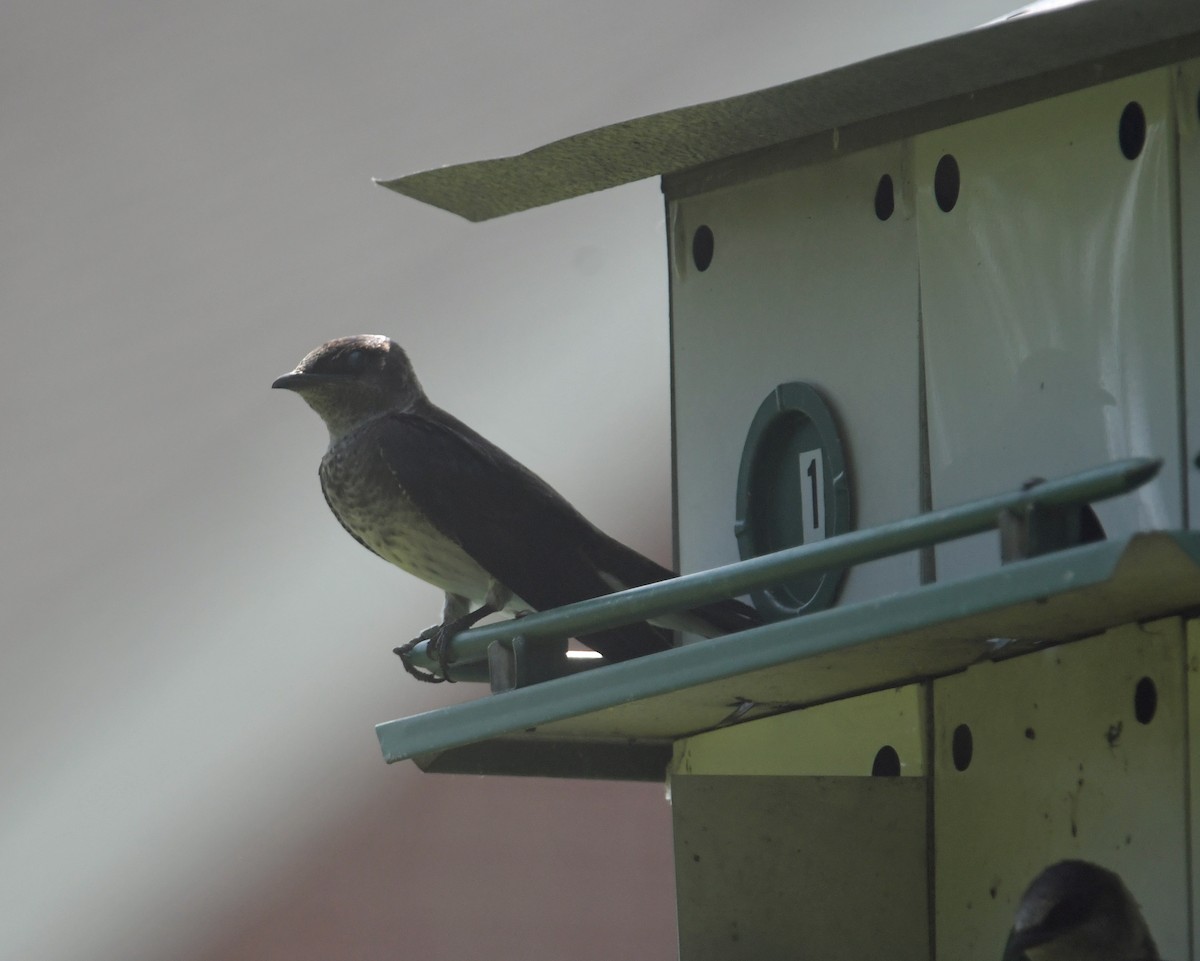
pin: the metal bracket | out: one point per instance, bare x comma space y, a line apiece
520, 662
1031, 530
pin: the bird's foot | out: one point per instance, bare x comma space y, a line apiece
435, 636
439, 637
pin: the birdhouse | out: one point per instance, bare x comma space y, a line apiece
935, 367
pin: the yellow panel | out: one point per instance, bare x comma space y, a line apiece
842, 738
829, 869
1062, 766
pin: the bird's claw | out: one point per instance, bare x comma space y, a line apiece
436, 636
439, 637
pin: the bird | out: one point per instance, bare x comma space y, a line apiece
422, 490
1079, 911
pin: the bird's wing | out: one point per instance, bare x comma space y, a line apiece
626, 566
510, 521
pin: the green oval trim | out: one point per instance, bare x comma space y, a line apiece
779, 501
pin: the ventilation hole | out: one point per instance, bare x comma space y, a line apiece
887, 763
1131, 132
945, 183
962, 747
1145, 701
885, 198
702, 247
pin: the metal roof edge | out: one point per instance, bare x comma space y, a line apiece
942, 81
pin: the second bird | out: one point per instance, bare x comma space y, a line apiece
422, 490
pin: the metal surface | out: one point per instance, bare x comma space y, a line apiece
921, 88
679, 593
932, 631
1192, 679
1048, 302
772, 867
842, 738
1062, 767
802, 268
1187, 111
594, 759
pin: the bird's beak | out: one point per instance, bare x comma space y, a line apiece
292, 381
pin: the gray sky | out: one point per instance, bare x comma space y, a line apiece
195, 652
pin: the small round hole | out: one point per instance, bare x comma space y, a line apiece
703, 245
1131, 132
885, 198
946, 183
887, 762
962, 747
1145, 701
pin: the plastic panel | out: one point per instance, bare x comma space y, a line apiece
1048, 299
805, 283
1187, 99
1062, 767
843, 738
772, 867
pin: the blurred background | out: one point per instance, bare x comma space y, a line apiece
195, 654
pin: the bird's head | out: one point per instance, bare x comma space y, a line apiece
352, 379
1075, 910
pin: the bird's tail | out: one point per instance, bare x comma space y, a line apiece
621, 567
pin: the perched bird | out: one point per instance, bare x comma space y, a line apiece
1078, 911
422, 490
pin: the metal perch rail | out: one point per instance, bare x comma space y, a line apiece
469, 650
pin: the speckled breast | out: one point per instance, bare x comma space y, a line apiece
371, 505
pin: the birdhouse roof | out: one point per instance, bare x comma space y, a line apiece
994, 67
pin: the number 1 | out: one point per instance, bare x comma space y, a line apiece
816, 507
812, 495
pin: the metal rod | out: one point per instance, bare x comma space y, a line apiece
846, 550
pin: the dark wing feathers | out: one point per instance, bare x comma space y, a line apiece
611, 555
509, 520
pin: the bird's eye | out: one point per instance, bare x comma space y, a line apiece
356, 360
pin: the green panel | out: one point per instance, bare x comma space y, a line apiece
799, 867
832, 654
843, 738
1061, 766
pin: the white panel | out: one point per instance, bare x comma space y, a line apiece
806, 283
1049, 304
1062, 767
1187, 100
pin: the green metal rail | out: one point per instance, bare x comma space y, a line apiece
468, 650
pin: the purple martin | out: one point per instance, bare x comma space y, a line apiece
422, 490
1079, 911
